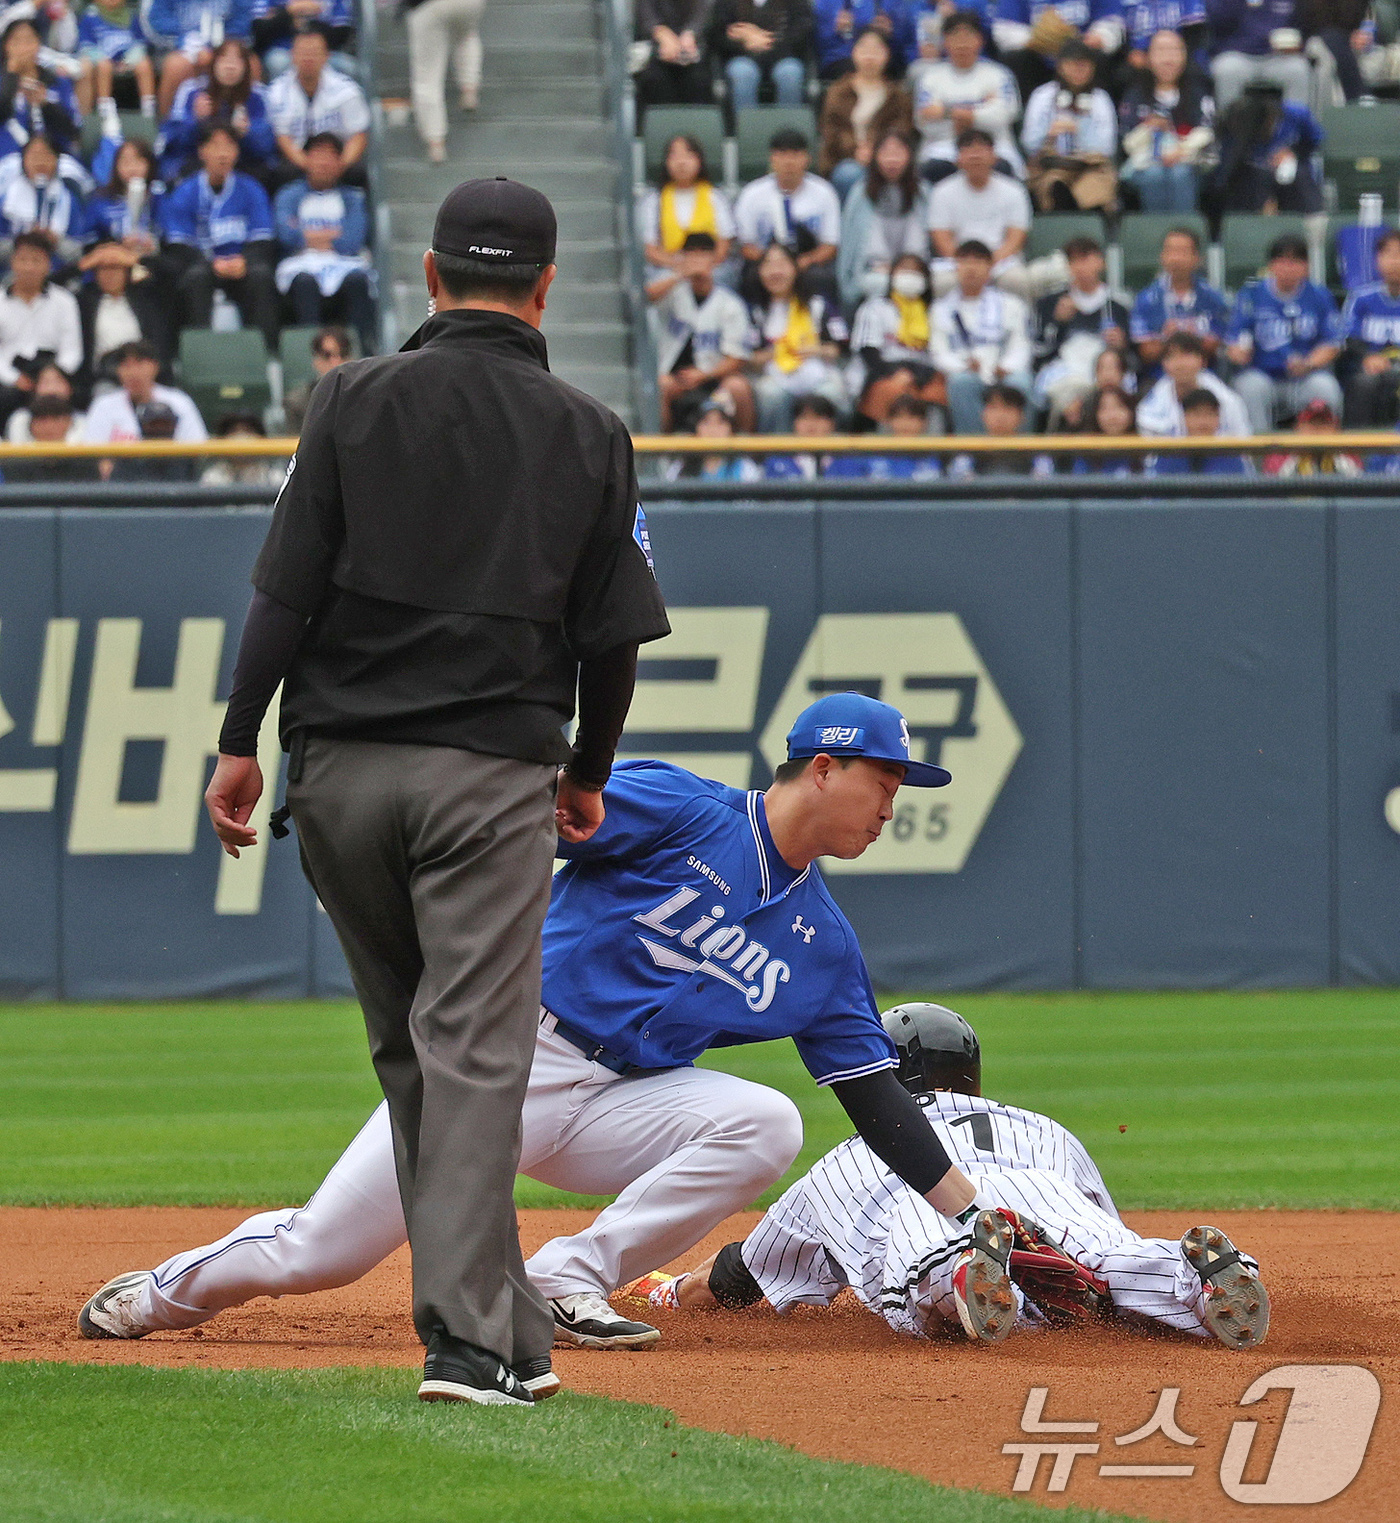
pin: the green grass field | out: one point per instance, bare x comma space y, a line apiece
1271, 1099
129, 1445
1287, 1099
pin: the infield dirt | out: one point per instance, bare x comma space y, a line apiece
833, 1383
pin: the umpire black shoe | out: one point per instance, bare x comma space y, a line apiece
459, 1371
537, 1376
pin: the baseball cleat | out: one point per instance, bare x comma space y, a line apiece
982, 1289
587, 1321
455, 1370
538, 1377
1236, 1303
655, 1289
112, 1312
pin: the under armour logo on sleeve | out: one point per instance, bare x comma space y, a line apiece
806, 932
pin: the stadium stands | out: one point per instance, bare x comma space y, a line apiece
1256, 178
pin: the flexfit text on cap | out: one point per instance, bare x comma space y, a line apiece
496, 219
850, 724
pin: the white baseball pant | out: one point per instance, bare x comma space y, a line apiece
682, 1148
818, 1238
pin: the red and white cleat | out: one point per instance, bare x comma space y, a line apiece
655, 1289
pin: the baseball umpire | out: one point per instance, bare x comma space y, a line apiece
456, 550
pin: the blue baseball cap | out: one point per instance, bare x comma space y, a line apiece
850, 724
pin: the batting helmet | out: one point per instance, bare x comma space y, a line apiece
937, 1049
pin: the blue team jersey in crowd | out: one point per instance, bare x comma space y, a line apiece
1372, 317
1203, 465
177, 22
1145, 18
1283, 325
834, 46
882, 468
678, 927
111, 37
1204, 312
217, 223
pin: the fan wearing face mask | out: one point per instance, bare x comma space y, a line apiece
889, 345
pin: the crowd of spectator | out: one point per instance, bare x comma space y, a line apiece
876, 280
174, 165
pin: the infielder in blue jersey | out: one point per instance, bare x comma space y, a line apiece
693, 918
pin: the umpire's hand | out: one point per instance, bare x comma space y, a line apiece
233, 791
578, 811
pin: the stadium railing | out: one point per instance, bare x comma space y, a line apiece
657, 447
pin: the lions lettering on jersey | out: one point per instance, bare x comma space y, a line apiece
1279, 325
728, 944
1372, 317
678, 926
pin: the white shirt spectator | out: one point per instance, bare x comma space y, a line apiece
716, 329
994, 328
876, 326
17, 429
50, 321
988, 88
1096, 129
112, 418
339, 106
1159, 413
114, 324
649, 213
763, 212
955, 207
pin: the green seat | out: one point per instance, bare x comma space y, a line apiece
1140, 238
1245, 238
1361, 152
224, 372
704, 123
754, 127
134, 125
1053, 230
294, 350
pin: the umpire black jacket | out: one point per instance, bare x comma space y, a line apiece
462, 529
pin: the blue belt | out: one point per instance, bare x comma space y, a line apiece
595, 1052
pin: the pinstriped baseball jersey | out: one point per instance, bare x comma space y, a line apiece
850, 1221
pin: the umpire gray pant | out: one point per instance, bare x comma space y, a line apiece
433, 864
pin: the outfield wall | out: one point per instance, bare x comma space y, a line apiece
1174, 730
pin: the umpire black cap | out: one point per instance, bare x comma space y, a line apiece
937, 1049
499, 220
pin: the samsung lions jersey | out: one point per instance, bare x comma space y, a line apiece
678, 927
1372, 317
1283, 325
